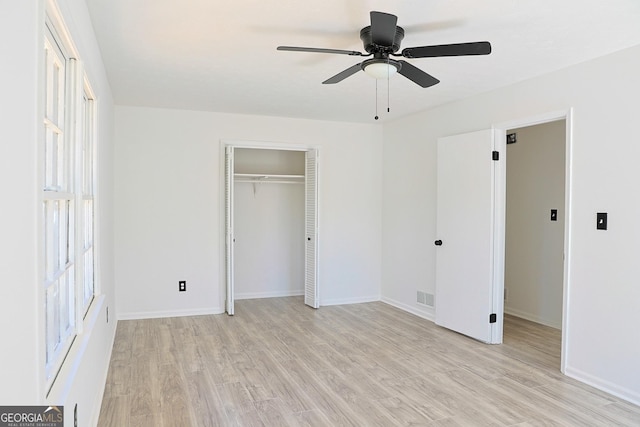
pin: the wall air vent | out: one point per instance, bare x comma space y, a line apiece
425, 298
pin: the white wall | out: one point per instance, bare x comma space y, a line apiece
604, 297
21, 299
169, 206
269, 240
268, 161
534, 244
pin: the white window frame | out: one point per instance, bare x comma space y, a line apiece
86, 191
68, 195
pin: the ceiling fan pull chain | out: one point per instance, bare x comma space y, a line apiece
388, 87
376, 117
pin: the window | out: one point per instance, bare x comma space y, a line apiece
67, 197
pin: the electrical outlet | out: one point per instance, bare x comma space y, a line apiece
182, 286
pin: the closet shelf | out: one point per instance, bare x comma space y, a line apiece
260, 178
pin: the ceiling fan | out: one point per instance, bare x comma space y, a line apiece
381, 40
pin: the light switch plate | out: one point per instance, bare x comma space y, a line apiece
601, 218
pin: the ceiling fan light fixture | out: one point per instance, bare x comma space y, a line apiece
381, 69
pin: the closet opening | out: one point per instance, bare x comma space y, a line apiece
271, 223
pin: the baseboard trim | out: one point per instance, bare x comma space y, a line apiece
604, 385
426, 313
345, 301
270, 294
169, 313
531, 318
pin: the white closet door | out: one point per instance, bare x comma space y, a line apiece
311, 297
228, 192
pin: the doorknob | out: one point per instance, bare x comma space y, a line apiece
438, 242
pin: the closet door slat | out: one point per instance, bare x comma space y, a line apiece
311, 297
229, 240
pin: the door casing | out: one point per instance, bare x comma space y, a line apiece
500, 134
260, 145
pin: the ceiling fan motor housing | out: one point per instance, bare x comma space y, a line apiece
371, 47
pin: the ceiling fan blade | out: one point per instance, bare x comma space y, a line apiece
383, 28
319, 50
416, 75
457, 49
342, 75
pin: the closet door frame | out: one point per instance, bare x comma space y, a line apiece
226, 277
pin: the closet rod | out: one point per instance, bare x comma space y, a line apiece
266, 178
250, 181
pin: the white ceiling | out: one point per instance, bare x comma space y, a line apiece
220, 55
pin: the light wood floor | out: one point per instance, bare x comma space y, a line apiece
280, 363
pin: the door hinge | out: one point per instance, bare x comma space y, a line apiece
495, 155
493, 318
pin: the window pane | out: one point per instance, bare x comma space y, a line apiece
56, 168
67, 304
49, 242
59, 225
58, 161
63, 232
64, 303
53, 246
55, 94
53, 324
88, 223
87, 147
88, 288
63, 252
71, 303
53, 160
47, 85
70, 231
58, 91
60, 170
49, 150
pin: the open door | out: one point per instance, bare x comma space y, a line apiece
466, 192
229, 239
311, 297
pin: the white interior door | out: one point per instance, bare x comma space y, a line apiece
229, 238
311, 294
465, 235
